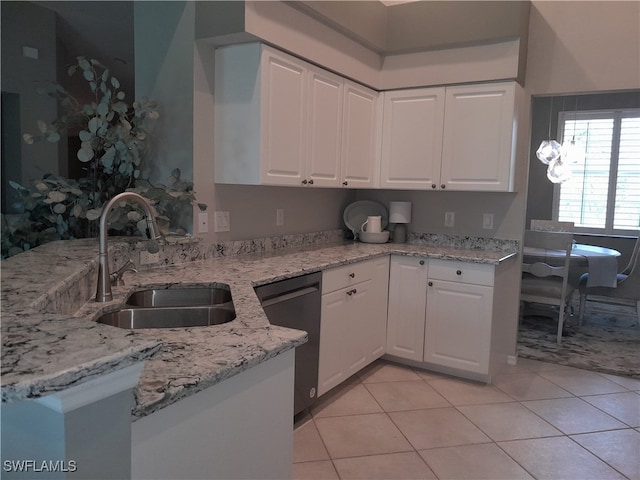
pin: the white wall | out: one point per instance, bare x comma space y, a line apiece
583, 46
26, 24
163, 39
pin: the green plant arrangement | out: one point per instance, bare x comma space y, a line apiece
113, 137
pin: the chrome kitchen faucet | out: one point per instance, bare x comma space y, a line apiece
103, 293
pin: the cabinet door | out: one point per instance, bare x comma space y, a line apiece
458, 325
343, 344
374, 325
360, 148
333, 341
406, 311
324, 128
283, 119
360, 310
412, 138
478, 148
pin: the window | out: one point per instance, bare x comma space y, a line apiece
603, 194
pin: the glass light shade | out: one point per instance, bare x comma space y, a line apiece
558, 171
572, 151
548, 151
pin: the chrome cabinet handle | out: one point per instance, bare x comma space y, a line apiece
421, 262
433, 185
351, 292
458, 272
443, 186
311, 182
345, 183
304, 182
352, 275
430, 284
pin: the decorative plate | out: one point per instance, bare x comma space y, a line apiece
356, 214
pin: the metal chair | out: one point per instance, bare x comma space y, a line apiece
627, 285
544, 283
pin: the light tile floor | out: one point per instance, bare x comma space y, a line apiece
536, 421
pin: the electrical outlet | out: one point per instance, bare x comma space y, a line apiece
279, 217
487, 221
203, 222
449, 219
221, 222
147, 258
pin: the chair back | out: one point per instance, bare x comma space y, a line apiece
552, 226
545, 240
545, 281
551, 283
634, 258
629, 287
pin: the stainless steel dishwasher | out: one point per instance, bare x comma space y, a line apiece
295, 303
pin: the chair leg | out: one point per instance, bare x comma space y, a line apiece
583, 302
561, 313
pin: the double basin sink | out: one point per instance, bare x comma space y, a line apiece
174, 306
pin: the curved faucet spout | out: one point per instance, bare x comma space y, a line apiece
103, 293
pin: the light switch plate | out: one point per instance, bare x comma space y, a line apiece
221, 222
449, 219
203, 222
487, 221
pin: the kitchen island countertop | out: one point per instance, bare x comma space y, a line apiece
46, 352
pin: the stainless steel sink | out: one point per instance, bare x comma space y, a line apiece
179, 296
169, 317
174, 306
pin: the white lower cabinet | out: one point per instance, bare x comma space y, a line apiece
458, 325
440, 313
353, 320
407, 301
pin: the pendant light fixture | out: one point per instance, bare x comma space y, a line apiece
572, 151
549, 150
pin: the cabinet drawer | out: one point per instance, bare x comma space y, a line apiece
463, 272
346, 275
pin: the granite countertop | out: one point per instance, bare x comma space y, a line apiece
47, 352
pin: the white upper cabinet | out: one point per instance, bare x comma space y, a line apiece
454, 138
412, 138
324, 135
478, 148
282, 121
361, 136
284, 108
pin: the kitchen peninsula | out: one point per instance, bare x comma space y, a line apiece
51, 343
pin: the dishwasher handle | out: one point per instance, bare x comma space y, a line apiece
290, 295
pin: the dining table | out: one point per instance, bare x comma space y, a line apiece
600, 262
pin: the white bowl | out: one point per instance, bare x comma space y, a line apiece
374, 237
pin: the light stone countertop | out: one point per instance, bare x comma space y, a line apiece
47, 352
